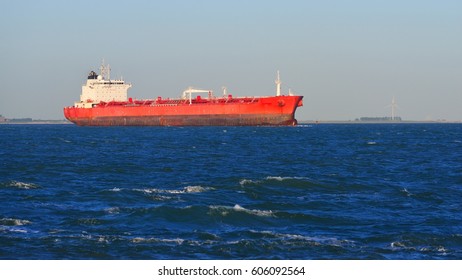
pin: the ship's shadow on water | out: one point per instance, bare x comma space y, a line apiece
308, 192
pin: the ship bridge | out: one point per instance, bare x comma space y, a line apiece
100, 88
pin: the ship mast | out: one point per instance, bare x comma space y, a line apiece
278, 85
105, 71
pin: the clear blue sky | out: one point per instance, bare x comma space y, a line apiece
348, 58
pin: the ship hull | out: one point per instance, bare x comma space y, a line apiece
279, 111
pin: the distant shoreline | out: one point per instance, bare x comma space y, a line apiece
378, 122
37, 122
306, 122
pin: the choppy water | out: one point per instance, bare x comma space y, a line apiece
308, 192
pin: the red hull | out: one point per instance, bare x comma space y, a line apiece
277, 110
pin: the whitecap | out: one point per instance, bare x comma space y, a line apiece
280, 178
177, 241
18, 230
149, 191
371, 143
239, 207
222, 210
13, 222
115, 189
22, 185
247, 181
112, 210
162, 198
171, 191
195, 189
405, 191
225, 210
263, 213
293, 236
441, 249
64, 140
317, 241
103, 239
396, 244
322, 241
277, 178
187, 189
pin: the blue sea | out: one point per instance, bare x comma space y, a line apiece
326, 191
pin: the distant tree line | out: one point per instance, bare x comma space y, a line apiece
20, 120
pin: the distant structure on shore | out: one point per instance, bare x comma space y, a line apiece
393, 106
379, 119
393, 117
20, 120
4, 120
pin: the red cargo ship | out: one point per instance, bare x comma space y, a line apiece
104, 102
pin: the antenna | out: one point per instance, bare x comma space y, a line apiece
101, 69
105, 71
278, 85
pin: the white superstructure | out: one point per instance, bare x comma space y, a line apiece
100, 88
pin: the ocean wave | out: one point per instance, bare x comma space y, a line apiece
406, 192
91, 237
147, 191
21, 185
112, 210
262, 213
103, 239
195, 189
64, 140
401, 245
162, 197
18, 230
226, 210
89, 221
244, 181
310, 240
13, 222
267, 237
177, 241
187, 189
281, 178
